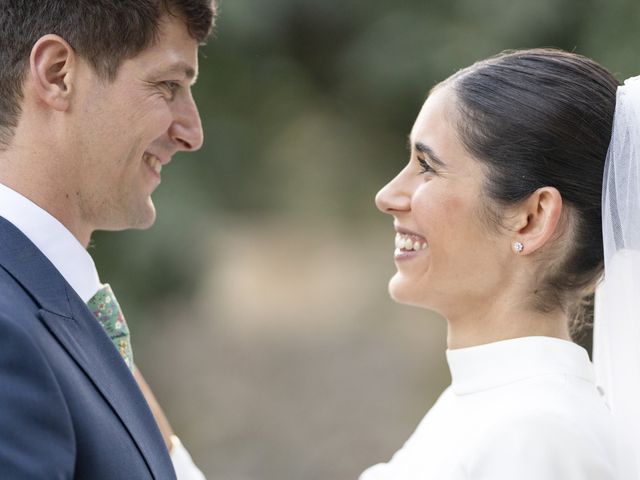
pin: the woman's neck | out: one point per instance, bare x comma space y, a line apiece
495, 323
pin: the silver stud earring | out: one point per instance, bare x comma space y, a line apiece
518, 247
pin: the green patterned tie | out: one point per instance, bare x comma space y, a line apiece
106, 309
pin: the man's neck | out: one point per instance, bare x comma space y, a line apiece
34, 178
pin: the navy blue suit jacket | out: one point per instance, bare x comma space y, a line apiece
69, 406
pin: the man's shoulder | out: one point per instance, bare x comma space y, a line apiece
18, 309
11, 291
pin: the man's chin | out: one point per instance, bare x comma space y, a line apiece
147, 218
141, 219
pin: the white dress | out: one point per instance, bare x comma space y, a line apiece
521, 409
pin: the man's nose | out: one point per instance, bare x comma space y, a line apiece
186, 129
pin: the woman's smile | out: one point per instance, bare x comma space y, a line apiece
408, 245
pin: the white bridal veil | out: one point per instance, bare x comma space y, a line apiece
616, 348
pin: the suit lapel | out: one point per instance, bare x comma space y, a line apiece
85, 341
76, 329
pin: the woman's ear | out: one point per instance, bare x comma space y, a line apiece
52, 63
536, 220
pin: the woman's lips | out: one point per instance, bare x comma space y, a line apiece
408, 244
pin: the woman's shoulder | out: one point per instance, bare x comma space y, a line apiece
544, 405
544, 428
570, 398
541, 444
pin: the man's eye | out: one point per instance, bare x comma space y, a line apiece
424, 166
171, 87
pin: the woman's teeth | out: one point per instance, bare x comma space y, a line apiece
409, 243
153, 162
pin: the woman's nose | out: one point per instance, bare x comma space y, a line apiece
394, 196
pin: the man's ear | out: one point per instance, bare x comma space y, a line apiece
537, 219
52, 63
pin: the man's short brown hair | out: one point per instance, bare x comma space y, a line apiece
104, 32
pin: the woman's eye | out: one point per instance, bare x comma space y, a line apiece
424, 166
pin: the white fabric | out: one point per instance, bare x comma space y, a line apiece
77, 267
182, 462
617, 321
524, 409
53, 239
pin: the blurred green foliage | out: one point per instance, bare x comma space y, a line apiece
306, 105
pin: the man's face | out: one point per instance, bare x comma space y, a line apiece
125, 131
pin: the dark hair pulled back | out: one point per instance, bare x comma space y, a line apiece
536, 118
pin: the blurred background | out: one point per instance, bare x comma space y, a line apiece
258, 301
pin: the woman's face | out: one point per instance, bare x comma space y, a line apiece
449, 258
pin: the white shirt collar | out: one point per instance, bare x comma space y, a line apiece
53, 239
482, 367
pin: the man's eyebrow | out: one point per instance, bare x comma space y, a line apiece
180, 68
428, 151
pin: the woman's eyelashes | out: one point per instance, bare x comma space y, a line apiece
424, 166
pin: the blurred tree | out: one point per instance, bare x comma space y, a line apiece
306, 105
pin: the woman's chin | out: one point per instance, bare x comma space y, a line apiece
406, 292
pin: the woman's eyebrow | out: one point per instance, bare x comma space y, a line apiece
427, 150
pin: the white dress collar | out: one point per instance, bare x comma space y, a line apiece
53, 239
483, 367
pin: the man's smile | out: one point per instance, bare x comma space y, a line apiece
153, 162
